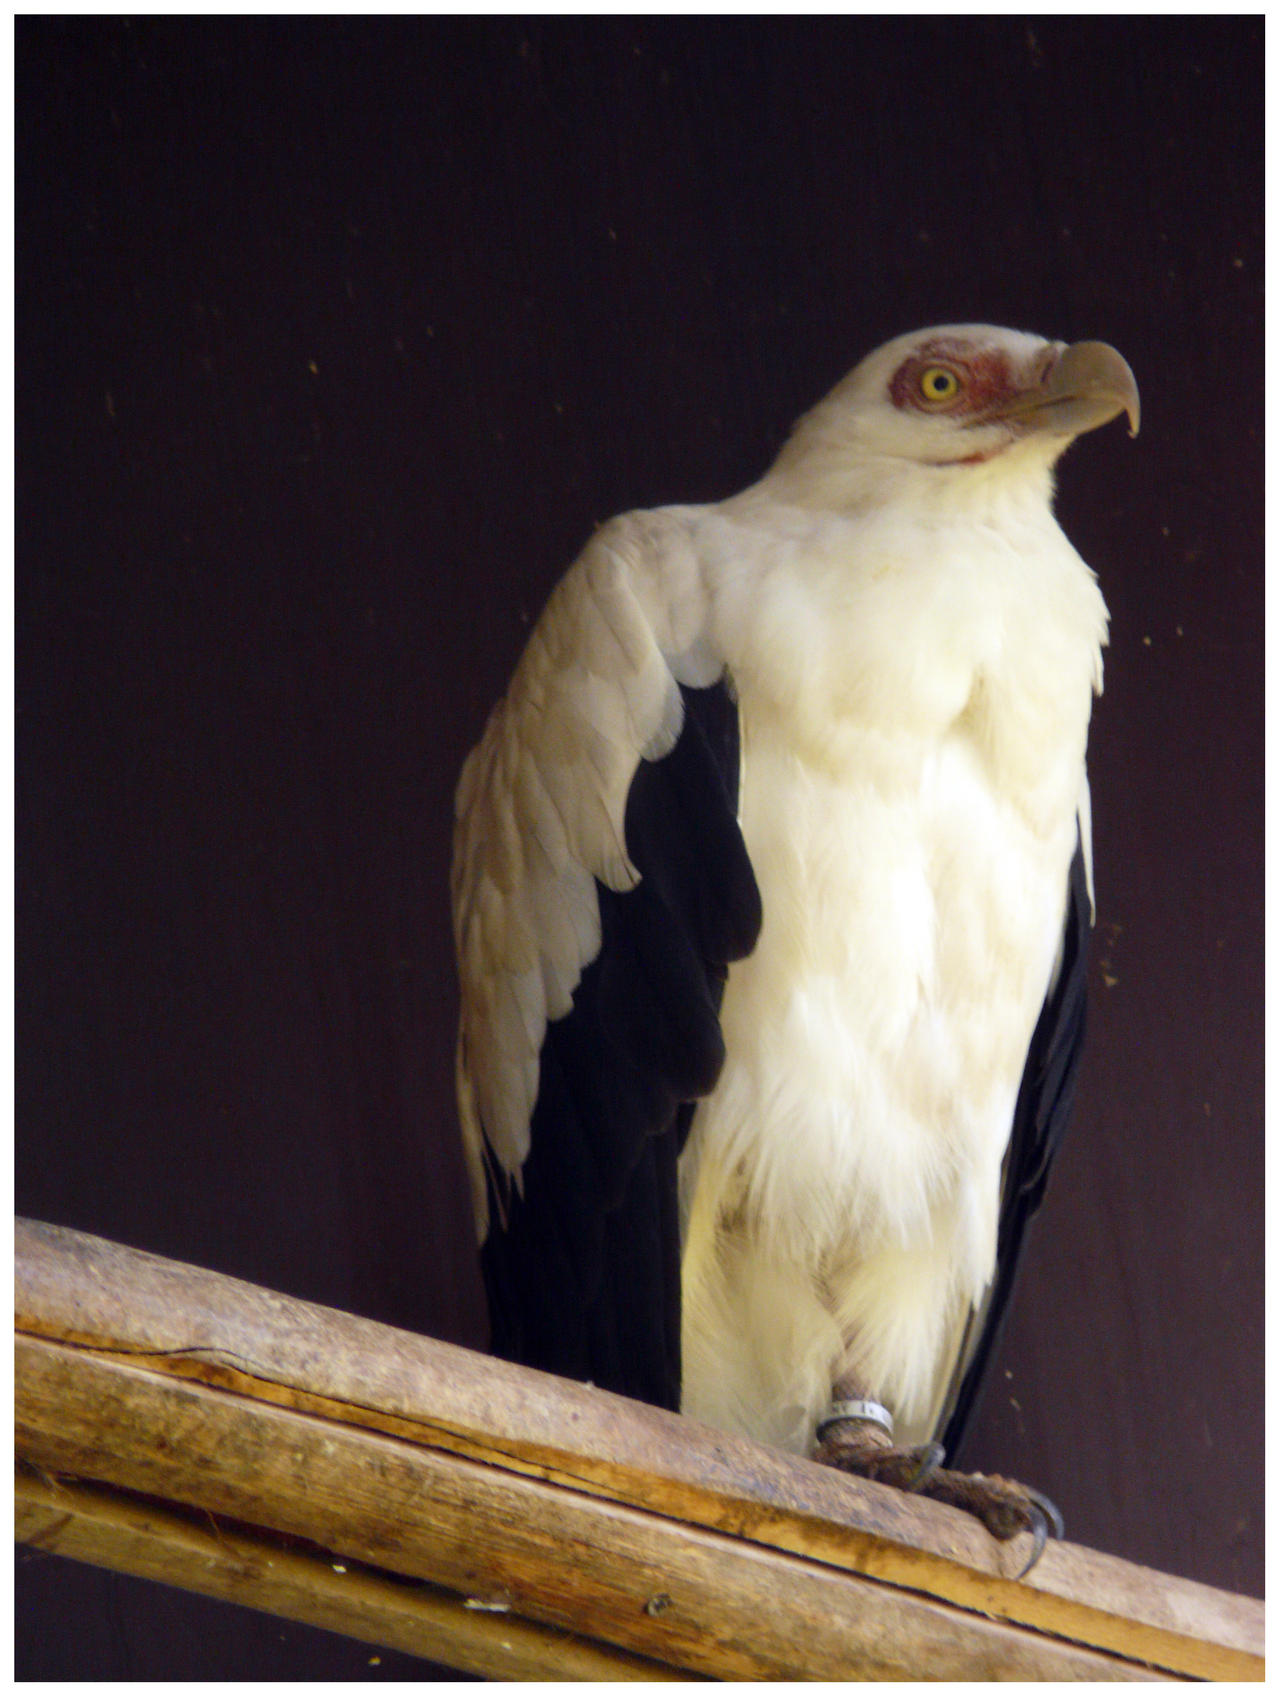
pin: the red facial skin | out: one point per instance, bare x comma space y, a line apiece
986, 382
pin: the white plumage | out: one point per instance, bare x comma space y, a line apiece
913, 645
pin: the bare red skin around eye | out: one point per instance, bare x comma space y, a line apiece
987, 379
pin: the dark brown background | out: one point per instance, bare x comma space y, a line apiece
334, 342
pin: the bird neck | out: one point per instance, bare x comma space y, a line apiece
827, 473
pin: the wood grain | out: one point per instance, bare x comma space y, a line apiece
698, 1601
579, 1510
197, 1552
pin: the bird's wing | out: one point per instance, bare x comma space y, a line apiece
601, 887
1040, 1118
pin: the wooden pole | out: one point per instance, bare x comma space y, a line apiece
190, 1427
218, 1559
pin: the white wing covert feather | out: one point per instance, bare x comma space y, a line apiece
539, 813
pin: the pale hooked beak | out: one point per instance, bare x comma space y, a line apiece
1086, 385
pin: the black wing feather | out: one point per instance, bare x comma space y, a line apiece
1040, 1118
582, 1264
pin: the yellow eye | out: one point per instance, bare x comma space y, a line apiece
938, 385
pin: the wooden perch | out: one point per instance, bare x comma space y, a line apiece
178, 1424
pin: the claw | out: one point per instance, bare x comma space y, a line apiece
1005, 1508
932, 1457
1039, 1538
1050, 1510
1046, 1521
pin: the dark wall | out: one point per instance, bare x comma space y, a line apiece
334, 341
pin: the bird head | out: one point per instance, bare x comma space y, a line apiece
960, 397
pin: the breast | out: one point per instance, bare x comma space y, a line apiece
914, 724
876, 1037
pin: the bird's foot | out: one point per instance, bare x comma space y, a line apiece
1005, 1508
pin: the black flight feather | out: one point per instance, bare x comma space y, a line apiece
584, 1278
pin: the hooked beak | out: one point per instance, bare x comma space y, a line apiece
1084, 386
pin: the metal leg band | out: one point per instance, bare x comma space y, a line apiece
860, 1408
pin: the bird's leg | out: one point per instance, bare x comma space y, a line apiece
856, 1435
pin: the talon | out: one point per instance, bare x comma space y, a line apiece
1050, 1510
857, 1437
1046, 1522
932, 1457
1039, 1538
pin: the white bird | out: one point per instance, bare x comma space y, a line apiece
771, 896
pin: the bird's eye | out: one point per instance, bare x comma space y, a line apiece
938, 385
